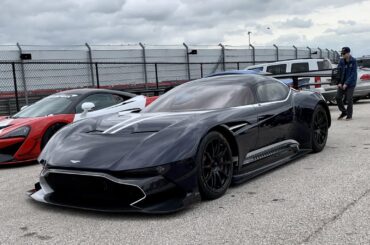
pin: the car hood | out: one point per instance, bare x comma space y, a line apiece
127, 141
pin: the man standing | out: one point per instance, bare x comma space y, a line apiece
348, 70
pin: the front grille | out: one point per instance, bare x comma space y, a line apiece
91, 191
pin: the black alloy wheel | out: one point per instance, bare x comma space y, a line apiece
215, 163
320, 128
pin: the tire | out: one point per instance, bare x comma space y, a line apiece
49, 133
320, 128
215, 166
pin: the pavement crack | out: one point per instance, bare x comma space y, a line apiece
335, 217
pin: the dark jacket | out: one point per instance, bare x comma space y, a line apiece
348, 72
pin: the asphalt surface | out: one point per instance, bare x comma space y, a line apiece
319, 199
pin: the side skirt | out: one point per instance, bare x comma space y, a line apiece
269, 157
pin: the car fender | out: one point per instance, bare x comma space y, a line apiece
305, 103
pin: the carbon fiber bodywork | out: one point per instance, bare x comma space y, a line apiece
155, 153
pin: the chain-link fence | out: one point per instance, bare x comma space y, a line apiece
141, 69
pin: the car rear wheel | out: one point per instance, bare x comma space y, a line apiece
320, 128
215, 163
50, 132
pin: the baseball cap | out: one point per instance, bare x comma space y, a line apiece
345, 50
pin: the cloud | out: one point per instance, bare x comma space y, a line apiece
175, 21
350, 29
295, 23
347, 22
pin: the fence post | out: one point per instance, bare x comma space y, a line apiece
253, 54
320, 50
277, 52
187, 59
97, 75
338, 56
333, 55
145, 68
15, 87
328, 53
309, 52
223, 56
91, 64
156, 75
23, 75
201, 70
295, 52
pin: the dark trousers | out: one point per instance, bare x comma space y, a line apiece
348, 94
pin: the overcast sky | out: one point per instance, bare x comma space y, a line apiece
325, 23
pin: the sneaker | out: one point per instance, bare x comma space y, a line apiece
342, 116
348, 118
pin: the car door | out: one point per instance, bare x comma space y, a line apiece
245, 124
275, 112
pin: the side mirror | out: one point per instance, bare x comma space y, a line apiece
24, 107
86, 107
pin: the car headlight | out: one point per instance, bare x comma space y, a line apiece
19, 132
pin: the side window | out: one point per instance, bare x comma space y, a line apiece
248, 96
100, 100
324, 65
118, 99
256, 68
277, 69
271, 90
300, 67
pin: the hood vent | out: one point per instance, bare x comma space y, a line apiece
235, 126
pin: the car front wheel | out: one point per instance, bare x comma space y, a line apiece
49, 133
215, 163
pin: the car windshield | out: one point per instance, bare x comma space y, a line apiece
51, 105
203, 96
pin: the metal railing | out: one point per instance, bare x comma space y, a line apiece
22, 83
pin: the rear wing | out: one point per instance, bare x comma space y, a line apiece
332, 73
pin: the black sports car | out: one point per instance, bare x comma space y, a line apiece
192, 142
